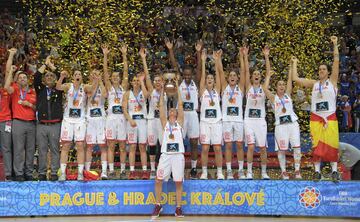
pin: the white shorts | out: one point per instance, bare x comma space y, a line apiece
171, 163
287, 133
72, 131
191, 125
256, 132
154, 131
116, 128
210, 133
95, 131
137, 134
233, 131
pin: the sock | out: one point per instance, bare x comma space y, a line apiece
333, 166
249, 167
144, 168
103, 166
193, 163
297, 158
63, 168
241, 165
87, 166
317, 166
204, 169
132, 168
228, 166
111, 167
152, 166
282, 160
219, 170
122, 167
263, 168
80, 168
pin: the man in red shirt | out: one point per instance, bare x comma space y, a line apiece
23, 100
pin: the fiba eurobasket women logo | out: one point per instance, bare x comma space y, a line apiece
310, 198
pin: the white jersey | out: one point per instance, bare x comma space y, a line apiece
323, 99
172, 139
255, 104
283, 109
74, 111
232, 101
154, 105
210, 111
137, 105
95, 108
189, 96
115, 97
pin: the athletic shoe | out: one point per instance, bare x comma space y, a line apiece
103, 176
317, 176
8, 178
29, 178
80, 177
42, 177
220, 176
229, 175
193, 174
62, 177
132, 175
145, 175
152, 175
264, 176
335, 176
298, 175
241, 175
204, 176
54, 177
157, 210
123, 175
178, 212
111, 175
284, 175
249, 176
19, 178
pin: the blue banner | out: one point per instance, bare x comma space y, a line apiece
237, 197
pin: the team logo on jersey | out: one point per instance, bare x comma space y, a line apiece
310, 197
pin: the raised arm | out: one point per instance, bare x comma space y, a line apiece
9, 79
292, 69
269, 73
106, 52
217, 72
220, 69
10, 60
170, 45
143, 87
125, 80
308, 83
242, 70
247, 68
149, 85
335, 67
180, 115
202, 80
198, 46
266, 52
60, 85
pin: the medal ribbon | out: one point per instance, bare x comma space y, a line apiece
282, 102
76, 94
23, 93
170, 128
320, 88
117, 93
256, 90
188, 89
211, 95
137, 98
93, 97
232, 91
48, 92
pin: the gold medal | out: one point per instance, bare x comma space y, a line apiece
231, 100
283, 110
139, 107
48, 98
117, 100
94, 103
212, 103
75, 102
188, 96
171, 136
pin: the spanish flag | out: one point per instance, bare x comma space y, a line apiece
325, 138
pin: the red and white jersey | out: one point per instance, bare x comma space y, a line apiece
172, 139
137, 105
255, 103
283, 109
232, 102
75, 105
323, 98
189, 96
210, 111
115, 97
95, 105
154, 103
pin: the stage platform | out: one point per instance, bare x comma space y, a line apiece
211, 197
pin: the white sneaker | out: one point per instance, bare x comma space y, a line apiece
241, 175
229, 175
298, 175
249, 176
220, 176
104, 176
62, 177
264, 176
284, 175
152, 175
80, 177
204, 176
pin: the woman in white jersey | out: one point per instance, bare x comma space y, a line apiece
233, 124
172, 154
254, 120
323, 122
154, 128
286, 125
210, 117
135, 111
73, 126
115, 120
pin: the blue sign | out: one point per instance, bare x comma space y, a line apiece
237, 197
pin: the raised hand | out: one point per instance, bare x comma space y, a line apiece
105, 49
12, 68
199, 45
266, 50
12, 51
334, 39
293, 59
123, 48
246, 50
64, 74
169, 44
142, 52
203, 55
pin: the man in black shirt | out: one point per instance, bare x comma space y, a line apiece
49, 114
